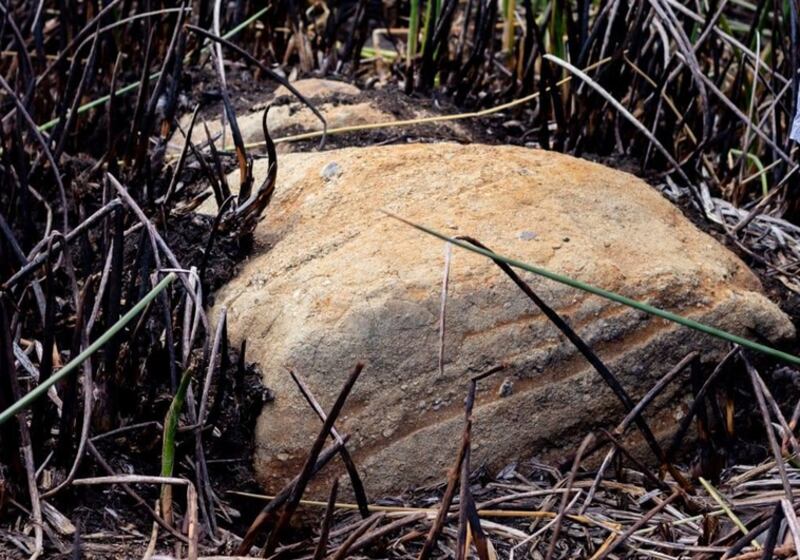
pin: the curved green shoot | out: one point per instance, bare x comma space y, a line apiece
171, 425
613, 296
756, 161
76, 362
168, 442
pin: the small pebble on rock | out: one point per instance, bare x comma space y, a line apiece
331, 171
506, 389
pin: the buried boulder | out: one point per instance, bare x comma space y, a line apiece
334, 281
342, 105
338, 102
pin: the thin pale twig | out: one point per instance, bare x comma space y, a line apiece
562, 510
443, 305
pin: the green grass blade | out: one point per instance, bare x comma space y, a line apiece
557, 31
509, 8
171, 425
714, 493
759, 166
413, 33
431, 14
154, 76
168, 442
613, 296
76, 362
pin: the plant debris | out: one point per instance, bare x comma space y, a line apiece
142, 447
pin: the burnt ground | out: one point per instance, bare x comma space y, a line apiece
56, 60
111, 530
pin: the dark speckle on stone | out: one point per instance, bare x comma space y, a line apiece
331, 171
506, 388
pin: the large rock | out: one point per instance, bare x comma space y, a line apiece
334, 281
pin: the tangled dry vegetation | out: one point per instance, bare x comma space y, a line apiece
126, 416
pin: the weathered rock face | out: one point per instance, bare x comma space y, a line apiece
337, 101
343, 106
338, 282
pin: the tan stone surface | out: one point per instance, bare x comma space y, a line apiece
343, 283
285, 119
316, 88
339, 110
